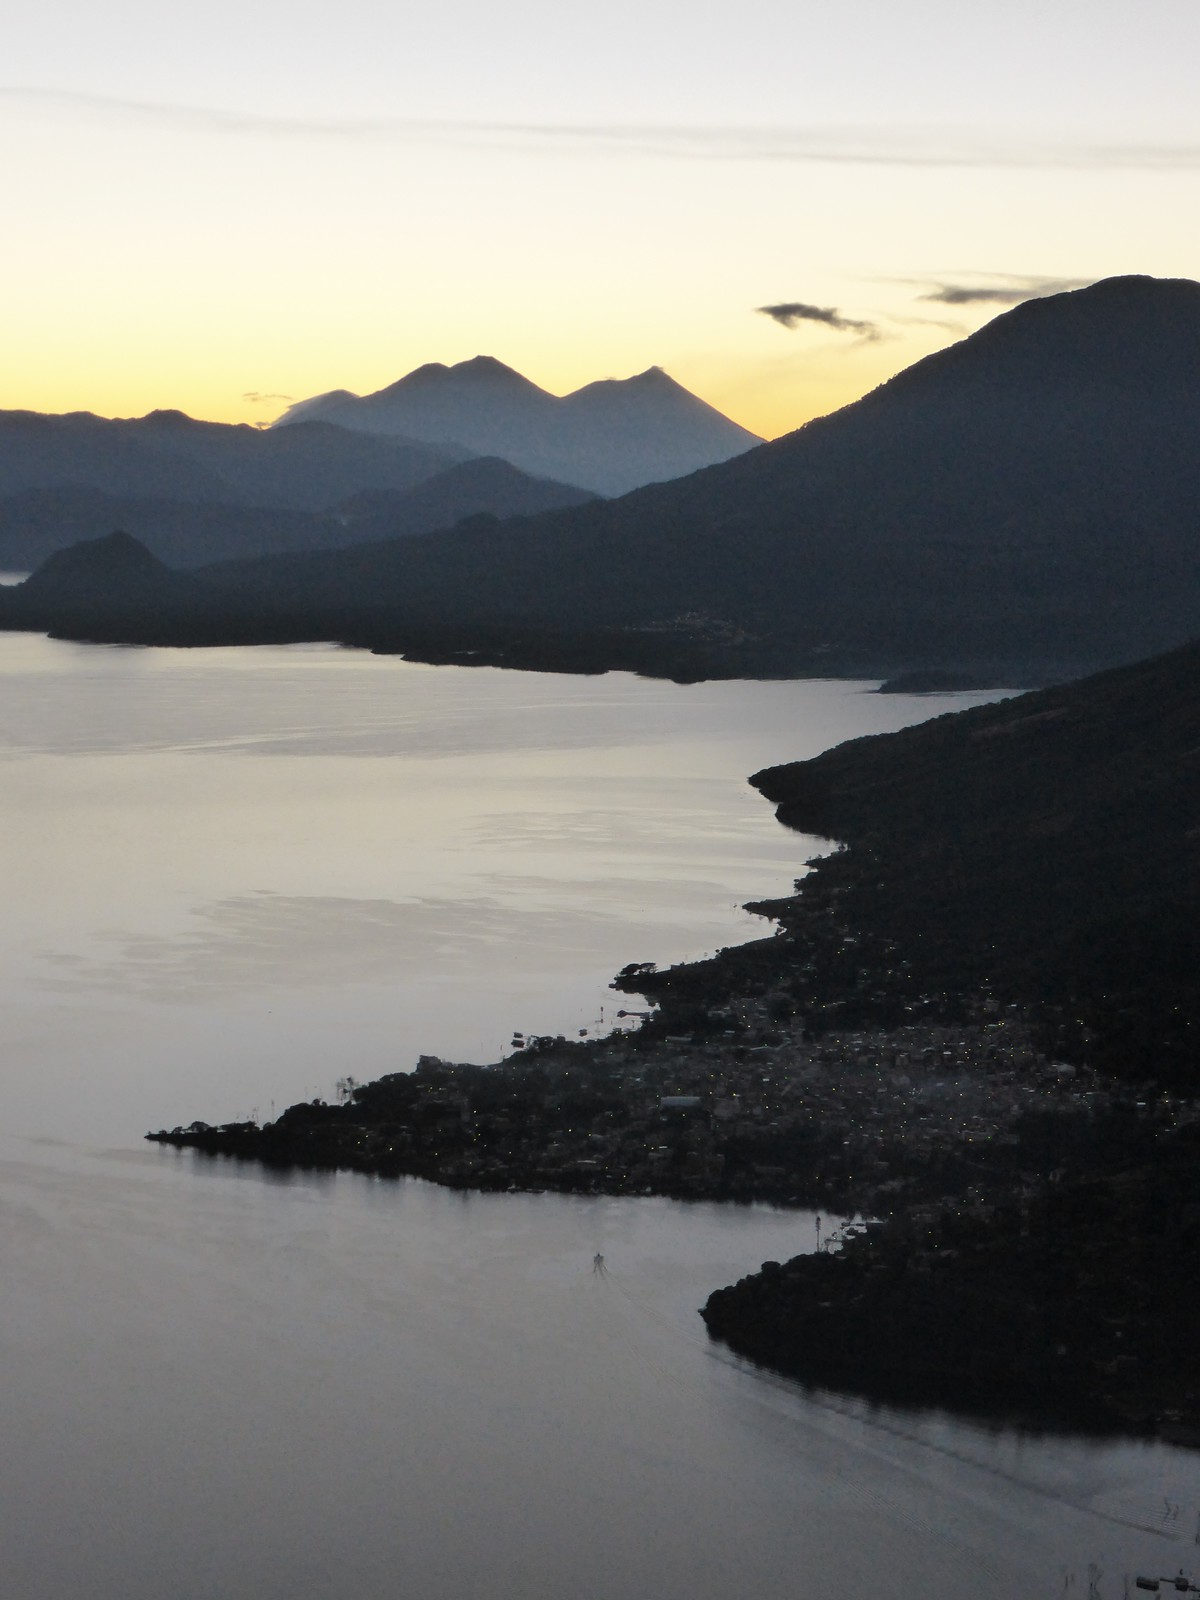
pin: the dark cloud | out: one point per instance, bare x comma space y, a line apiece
1009, 293
257, 398
791, 313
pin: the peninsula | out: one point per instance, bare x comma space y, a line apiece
976, 1028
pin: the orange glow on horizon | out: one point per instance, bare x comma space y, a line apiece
769, 399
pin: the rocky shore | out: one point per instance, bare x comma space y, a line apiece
745, 1107
1030, 1242
1067, 1304
978, 1027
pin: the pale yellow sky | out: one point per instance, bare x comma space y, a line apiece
183, 231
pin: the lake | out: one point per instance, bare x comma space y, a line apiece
232, 877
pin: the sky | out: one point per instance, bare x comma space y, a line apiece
224, 208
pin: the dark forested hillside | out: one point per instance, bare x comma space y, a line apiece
1021, 506
1049, 844
35, 523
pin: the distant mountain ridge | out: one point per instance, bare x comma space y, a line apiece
197, 492
1021, 506
610, 436
184, 533
173, 456
482, 486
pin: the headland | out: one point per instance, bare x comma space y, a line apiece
975, 1029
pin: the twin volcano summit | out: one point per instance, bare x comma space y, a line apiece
1021, 506
442, 444
1024, 504
610, 436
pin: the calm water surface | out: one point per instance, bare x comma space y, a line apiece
233, 876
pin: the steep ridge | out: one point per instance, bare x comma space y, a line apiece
1043, 855
1048, 845
1043, 849
1020, 506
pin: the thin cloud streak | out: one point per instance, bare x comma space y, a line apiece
865, 146
1011, 293
944, 323
791, 313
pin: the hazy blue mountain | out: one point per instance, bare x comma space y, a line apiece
167, 455
485, 485
36, 522
611, 436
1021, 505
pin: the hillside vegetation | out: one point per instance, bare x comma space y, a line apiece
1019, 507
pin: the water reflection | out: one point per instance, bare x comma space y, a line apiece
242, 873
234, 876
320, 1385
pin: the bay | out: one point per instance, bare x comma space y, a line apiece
235, 876
232, 877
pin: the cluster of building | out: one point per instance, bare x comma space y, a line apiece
750, 1108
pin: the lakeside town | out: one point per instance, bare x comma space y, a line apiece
1004, 1231
750, 1107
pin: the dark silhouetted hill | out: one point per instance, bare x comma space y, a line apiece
610, 437
1049, 845
485, 485
101, 585
37, 522
1043, 852
1019, 507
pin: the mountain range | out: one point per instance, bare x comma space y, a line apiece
172, 456
609, 437
35, 523
198, 492
1020, 506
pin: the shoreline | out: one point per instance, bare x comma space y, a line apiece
953, 1131
977, 1024
962, 1140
